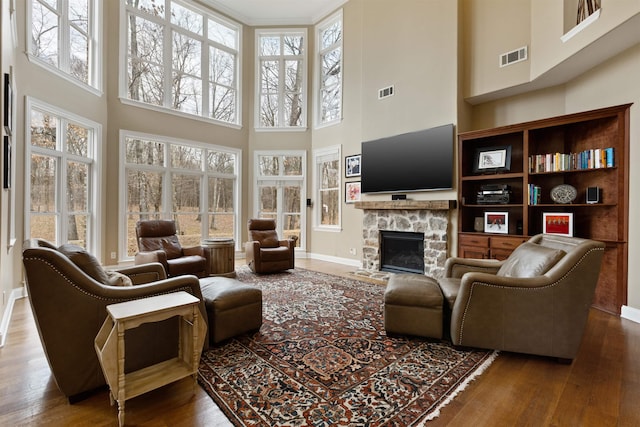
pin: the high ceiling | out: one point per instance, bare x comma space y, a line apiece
276, 12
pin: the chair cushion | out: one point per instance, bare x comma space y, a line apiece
85, 262
530, 260
267, 238
115, 278
193, 264
280, 253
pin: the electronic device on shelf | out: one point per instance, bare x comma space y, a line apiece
494, 194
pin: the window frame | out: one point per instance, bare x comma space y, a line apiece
94, 148
333, 153
167, 64
319, 29
283, 178
167, 170
281, 32
94, 40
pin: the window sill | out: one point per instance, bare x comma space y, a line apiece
581, 26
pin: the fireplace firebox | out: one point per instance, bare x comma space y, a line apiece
402, 252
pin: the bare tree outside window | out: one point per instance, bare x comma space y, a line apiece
282, 89
330, 63
201, 45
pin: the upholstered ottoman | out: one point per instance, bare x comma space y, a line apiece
413, 306
233, 308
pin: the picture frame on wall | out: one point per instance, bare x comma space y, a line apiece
6, 169
492, 159
560, 223
352, 165
8, 104
352, 191
496, 222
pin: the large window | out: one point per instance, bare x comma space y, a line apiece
194, 184
280, 191
329, 70
183, 58
327, 186
65, 38
62, 177
281, 70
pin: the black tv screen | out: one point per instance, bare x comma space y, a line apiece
416, 161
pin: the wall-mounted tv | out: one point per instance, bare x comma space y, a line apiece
416, 161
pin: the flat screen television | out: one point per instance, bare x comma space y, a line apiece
415, 161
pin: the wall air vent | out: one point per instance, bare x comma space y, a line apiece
385, 92
514, 56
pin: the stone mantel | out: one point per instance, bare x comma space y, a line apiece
407, 205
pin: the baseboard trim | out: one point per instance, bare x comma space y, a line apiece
337, 260
15, 294
630, 313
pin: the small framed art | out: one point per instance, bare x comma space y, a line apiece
492, 159
496, 222
6, 169
352, 192
560, 223
352, 165
8, 104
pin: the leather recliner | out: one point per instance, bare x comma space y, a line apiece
69, 292
265, 252
158, 242
536, 301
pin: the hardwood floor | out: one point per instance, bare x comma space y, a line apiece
600, 388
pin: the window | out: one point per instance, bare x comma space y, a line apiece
194, 184
280, 191
65, 38
62, 177
281, 85
184, 59
329, 43
327, 187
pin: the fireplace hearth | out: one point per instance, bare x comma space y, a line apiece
402, 252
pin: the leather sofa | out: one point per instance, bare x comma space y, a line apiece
265, 252
536, 301
158, 242
69, 291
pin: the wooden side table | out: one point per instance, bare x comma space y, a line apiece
221, 257
110, 345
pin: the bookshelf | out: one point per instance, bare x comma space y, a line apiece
581, 151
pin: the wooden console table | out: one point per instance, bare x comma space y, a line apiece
110, 345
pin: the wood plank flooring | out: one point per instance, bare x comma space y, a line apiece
600, 388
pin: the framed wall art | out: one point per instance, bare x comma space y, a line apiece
496, 222
492, 159
8, 104
352, 192
557, 223
352, 165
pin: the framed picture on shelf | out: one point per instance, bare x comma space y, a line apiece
492, 159
6, 175
557, 223
352, 165
496, 222
352, 192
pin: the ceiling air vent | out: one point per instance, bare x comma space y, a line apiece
385, 92
513, 56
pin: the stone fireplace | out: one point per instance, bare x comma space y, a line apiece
430, 218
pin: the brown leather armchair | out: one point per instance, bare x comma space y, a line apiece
536, 301
69, 291
264, 251
158, 242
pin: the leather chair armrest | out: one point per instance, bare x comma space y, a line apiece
456, 267
144, 273
287, 243
194, 250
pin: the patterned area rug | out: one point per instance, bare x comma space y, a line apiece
322, 358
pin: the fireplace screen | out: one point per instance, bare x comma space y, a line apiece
402, 252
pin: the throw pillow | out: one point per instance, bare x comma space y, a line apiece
85, 262
530, 260
115, 278
267, 238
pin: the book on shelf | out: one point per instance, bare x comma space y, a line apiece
595, 158
534, 194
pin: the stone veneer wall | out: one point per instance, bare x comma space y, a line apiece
433, 223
